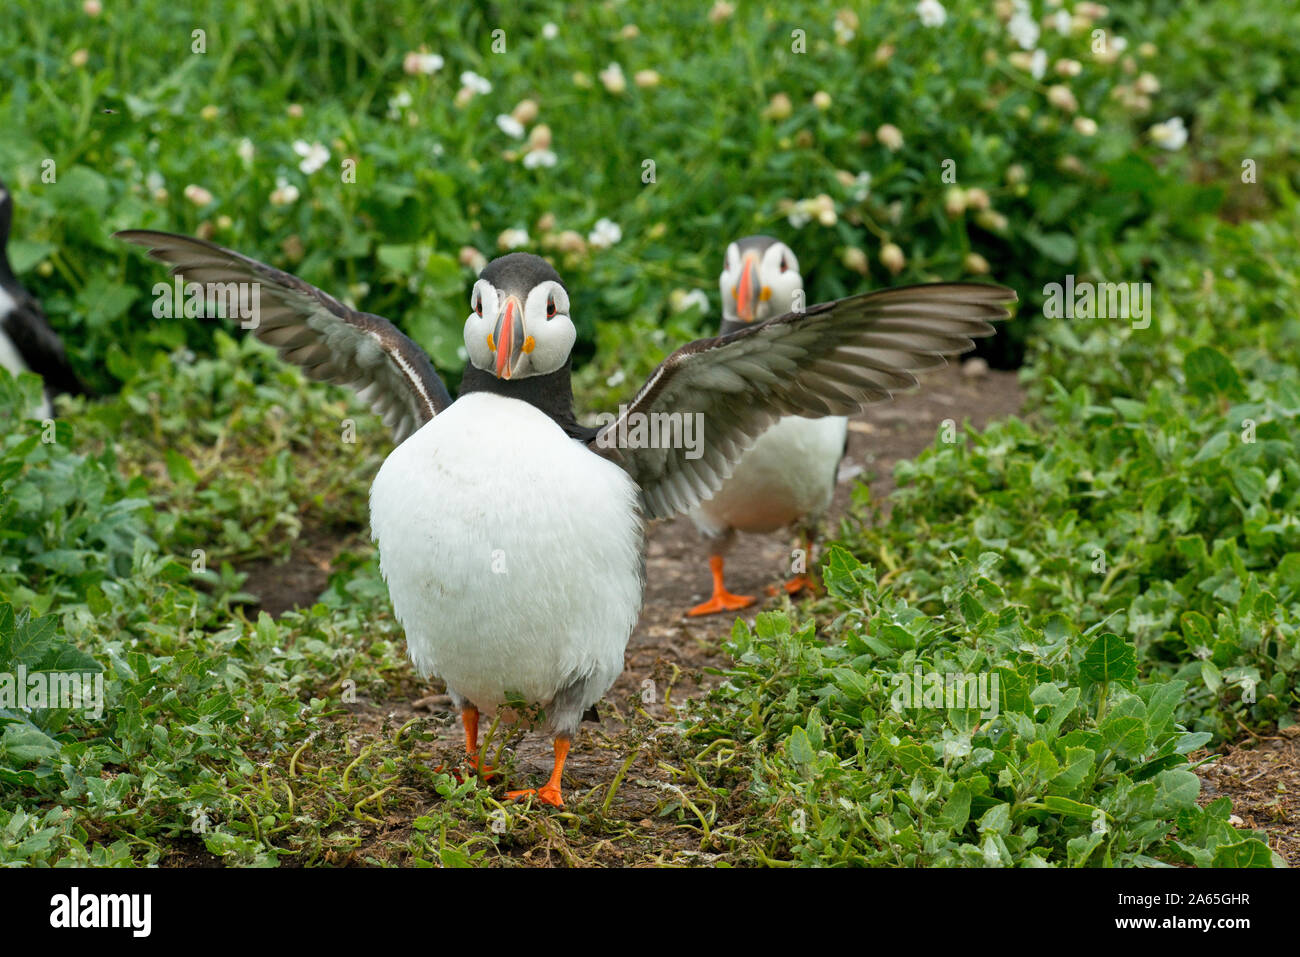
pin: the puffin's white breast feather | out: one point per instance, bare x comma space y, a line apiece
788, 476
512, 553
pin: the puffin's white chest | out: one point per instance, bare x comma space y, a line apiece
512, 553
788, 475
9, 357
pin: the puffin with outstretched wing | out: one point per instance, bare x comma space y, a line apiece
510, 536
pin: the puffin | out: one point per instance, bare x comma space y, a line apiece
511, 536
27, 342
788, 477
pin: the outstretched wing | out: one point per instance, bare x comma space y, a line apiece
314, 330
830, 360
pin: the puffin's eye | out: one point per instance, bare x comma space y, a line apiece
478, 305
784, 265
550, 306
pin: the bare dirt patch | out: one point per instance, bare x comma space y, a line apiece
1261, 774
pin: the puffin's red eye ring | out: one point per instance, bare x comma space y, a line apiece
478, 305
784, 265
550, 306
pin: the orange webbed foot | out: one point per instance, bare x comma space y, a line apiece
794, 586
546, 794
721, 601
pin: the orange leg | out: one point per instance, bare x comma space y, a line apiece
548, 793
722, 599
469, 718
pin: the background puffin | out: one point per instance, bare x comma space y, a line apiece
27, 343
510, 536
788, 477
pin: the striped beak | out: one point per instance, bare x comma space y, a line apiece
747, 291
508, 338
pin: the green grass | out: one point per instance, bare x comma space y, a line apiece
124, 527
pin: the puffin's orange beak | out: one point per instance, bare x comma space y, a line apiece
747, 291
508, 338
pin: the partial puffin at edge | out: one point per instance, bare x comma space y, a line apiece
27, 342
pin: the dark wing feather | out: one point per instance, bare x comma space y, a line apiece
313, 330
830, 360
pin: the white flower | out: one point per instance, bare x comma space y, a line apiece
891, 256
398, 102
679, 300
537, 158
154, 181
197, 195
1038, 64
550, 31
1061, 97
513, 238
613, 78
932, 13
244, 150
426, 63
1147, 84
471, 257
799, 215
314, 156
845, 26
284, 193
861, 186
475, 82
1063, 22
890, 136
1171, 134
510, 126
1024, 30
605, 234
1085, 126
696, 298
525, 111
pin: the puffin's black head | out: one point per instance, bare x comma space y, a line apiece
760, 277
520, 323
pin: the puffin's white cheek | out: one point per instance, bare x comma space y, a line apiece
552, 342
476, 333
727, 290
783, 293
